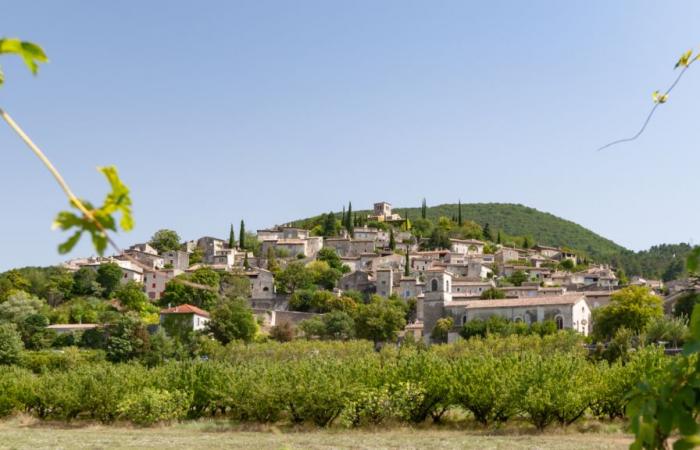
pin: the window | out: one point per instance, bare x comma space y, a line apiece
560, 322
265, 289
434, 285
447, 286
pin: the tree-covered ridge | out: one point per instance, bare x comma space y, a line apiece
517, 222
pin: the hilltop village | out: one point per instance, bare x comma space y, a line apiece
446, 281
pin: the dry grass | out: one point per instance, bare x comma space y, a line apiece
23, 432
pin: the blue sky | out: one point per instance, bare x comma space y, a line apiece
270, 111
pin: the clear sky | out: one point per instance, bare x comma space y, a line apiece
276, 110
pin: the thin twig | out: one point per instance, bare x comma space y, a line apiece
74, 200
651, 113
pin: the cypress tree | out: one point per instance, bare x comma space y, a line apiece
424, 210
459, 213
406, 269
487, 232
344, 219
231, 238
272, 265
241, 235
392, 240
246, 264
350, 225
329, 225
498, 238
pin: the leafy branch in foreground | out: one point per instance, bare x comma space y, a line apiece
101, 218
94, 221
685, 61
30, 53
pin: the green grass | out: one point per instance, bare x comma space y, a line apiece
29, 433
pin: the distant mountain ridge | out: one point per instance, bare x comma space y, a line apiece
547, 229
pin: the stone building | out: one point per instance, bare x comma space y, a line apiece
568, 311
385, 282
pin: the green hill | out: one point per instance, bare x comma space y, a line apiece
515, 220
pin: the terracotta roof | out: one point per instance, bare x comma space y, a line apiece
73, 326
185, 309
567, 299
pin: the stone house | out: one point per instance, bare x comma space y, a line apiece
410, 287
467, 246
568, 311
505, 255
177, 259
210, 246
262, 283
154, 282
467, 288
350, 247
182, 319
359, 280
384, 282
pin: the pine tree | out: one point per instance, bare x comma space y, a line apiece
459, 213
231, 238
424, 210
392, 240
241, 235
487, 232
406, 269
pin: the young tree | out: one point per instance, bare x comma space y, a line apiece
131, 296
518, 278
379, 320
272, 264
294, 276
85, 282
241, 236
441, 330
632, 308
127, 339
165, 241
10, 344
231, 238
233, 320
109, 276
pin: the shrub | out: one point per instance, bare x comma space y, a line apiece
10, 344
153, 405
368, 406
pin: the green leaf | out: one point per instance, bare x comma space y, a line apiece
30, 53
70, 243
686, 423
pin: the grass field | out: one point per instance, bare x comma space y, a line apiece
25, 433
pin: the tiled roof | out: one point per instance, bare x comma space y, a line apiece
185, 309
567, 299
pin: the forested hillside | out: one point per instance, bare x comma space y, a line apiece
516, 221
